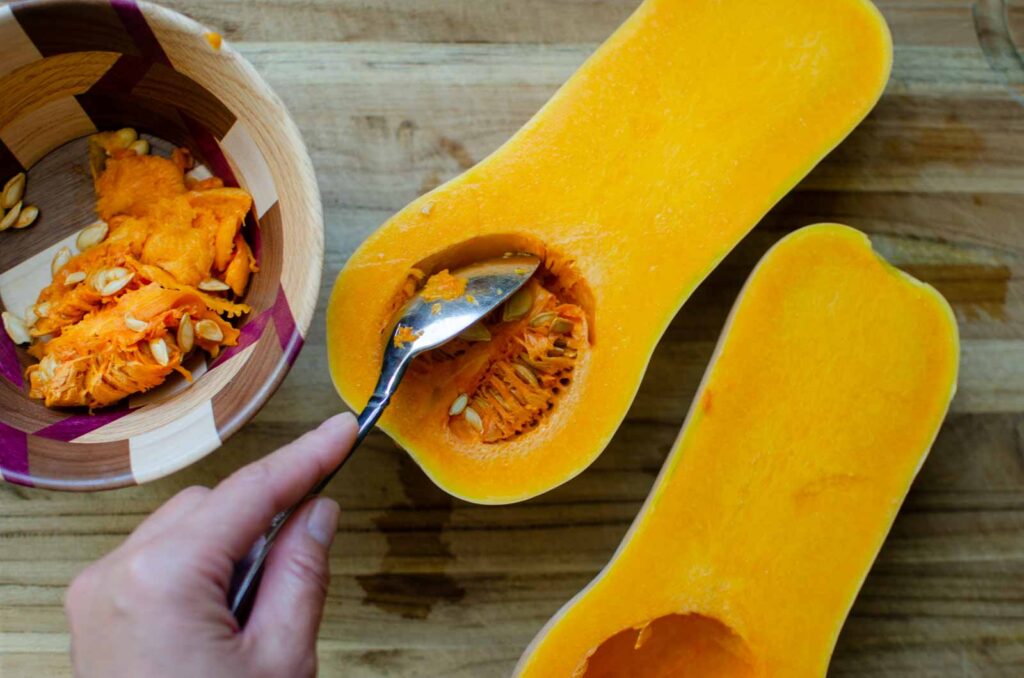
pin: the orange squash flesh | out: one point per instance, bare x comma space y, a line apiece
632, 183
443, 286
826, 391
102, 360
94, 343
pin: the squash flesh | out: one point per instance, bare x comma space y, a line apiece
163, 239
99, 360
828, 387
640, 175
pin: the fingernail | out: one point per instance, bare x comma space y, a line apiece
322, 522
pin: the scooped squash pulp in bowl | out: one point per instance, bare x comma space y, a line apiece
631, 184
147, 287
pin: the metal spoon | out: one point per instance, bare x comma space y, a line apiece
488, 284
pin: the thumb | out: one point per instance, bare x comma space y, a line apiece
290, 602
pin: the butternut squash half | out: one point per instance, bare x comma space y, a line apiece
826, 391
632, 183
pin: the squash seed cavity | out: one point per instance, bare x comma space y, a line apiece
511, 368
503, 376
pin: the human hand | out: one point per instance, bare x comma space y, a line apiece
157, 605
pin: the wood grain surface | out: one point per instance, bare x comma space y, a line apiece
394, 97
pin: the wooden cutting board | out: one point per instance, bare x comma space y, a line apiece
394, 97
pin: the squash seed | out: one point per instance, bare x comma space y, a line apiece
526, 374
28, 216
209, 330
74, 278
11, 217
197, 174
158, 347
16, 329
134, 324
542, 318
111, 280
92, 235
13, 190
476, 332
458, 405
186, 334
31, 317
48, 367
473, 419
100, 279
116, 285
62, 257
561, 326
125, 137
213, 285
518, 305
140, 146
42, 310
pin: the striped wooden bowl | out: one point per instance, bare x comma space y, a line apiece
68, 69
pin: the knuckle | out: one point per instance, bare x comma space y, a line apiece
192, 493
309, 567
137, 567
76, 597
138, 576
257, 474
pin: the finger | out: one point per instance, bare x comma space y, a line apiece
240, 509
290, 602
171, 512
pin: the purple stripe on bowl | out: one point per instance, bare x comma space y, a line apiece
10, 365
212, 153
250, 334
79, 424
139, 31
14, 455
288, 334
284, 321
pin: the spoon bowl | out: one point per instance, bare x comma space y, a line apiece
488, 284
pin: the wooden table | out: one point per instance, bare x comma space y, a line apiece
395, 96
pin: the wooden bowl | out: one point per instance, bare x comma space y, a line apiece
68, 69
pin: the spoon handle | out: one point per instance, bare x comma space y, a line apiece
246, 579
